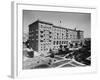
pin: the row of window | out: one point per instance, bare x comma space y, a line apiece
60, 37
33, 36
45, 40
59, 30
60, 34
55, 47
45, 31
59, 42
45, 44
32, 39
46, 35
73, 36
45, 27
46, 49
33, 30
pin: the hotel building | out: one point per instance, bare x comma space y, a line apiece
44, 36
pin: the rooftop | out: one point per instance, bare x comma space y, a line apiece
44, 22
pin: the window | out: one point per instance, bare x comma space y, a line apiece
41, 36
32, 39
36, 39
54, 42
49, 32
62, 42
41, 31
49, 40
36, 30
41, 40
70, 36
57, 42
49, 36
41, 26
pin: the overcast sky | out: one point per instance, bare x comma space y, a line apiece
80, 21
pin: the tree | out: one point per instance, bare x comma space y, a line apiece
27, 43
87, 44
51, 53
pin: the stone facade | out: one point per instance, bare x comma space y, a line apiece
44, 36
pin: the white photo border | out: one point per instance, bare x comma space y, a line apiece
17, 24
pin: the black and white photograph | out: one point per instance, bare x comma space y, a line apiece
54, 39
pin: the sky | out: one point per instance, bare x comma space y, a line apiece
72, 20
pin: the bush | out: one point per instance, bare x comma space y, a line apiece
81, 56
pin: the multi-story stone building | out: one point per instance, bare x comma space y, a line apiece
44, 36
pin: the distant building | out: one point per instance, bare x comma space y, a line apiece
44, 36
